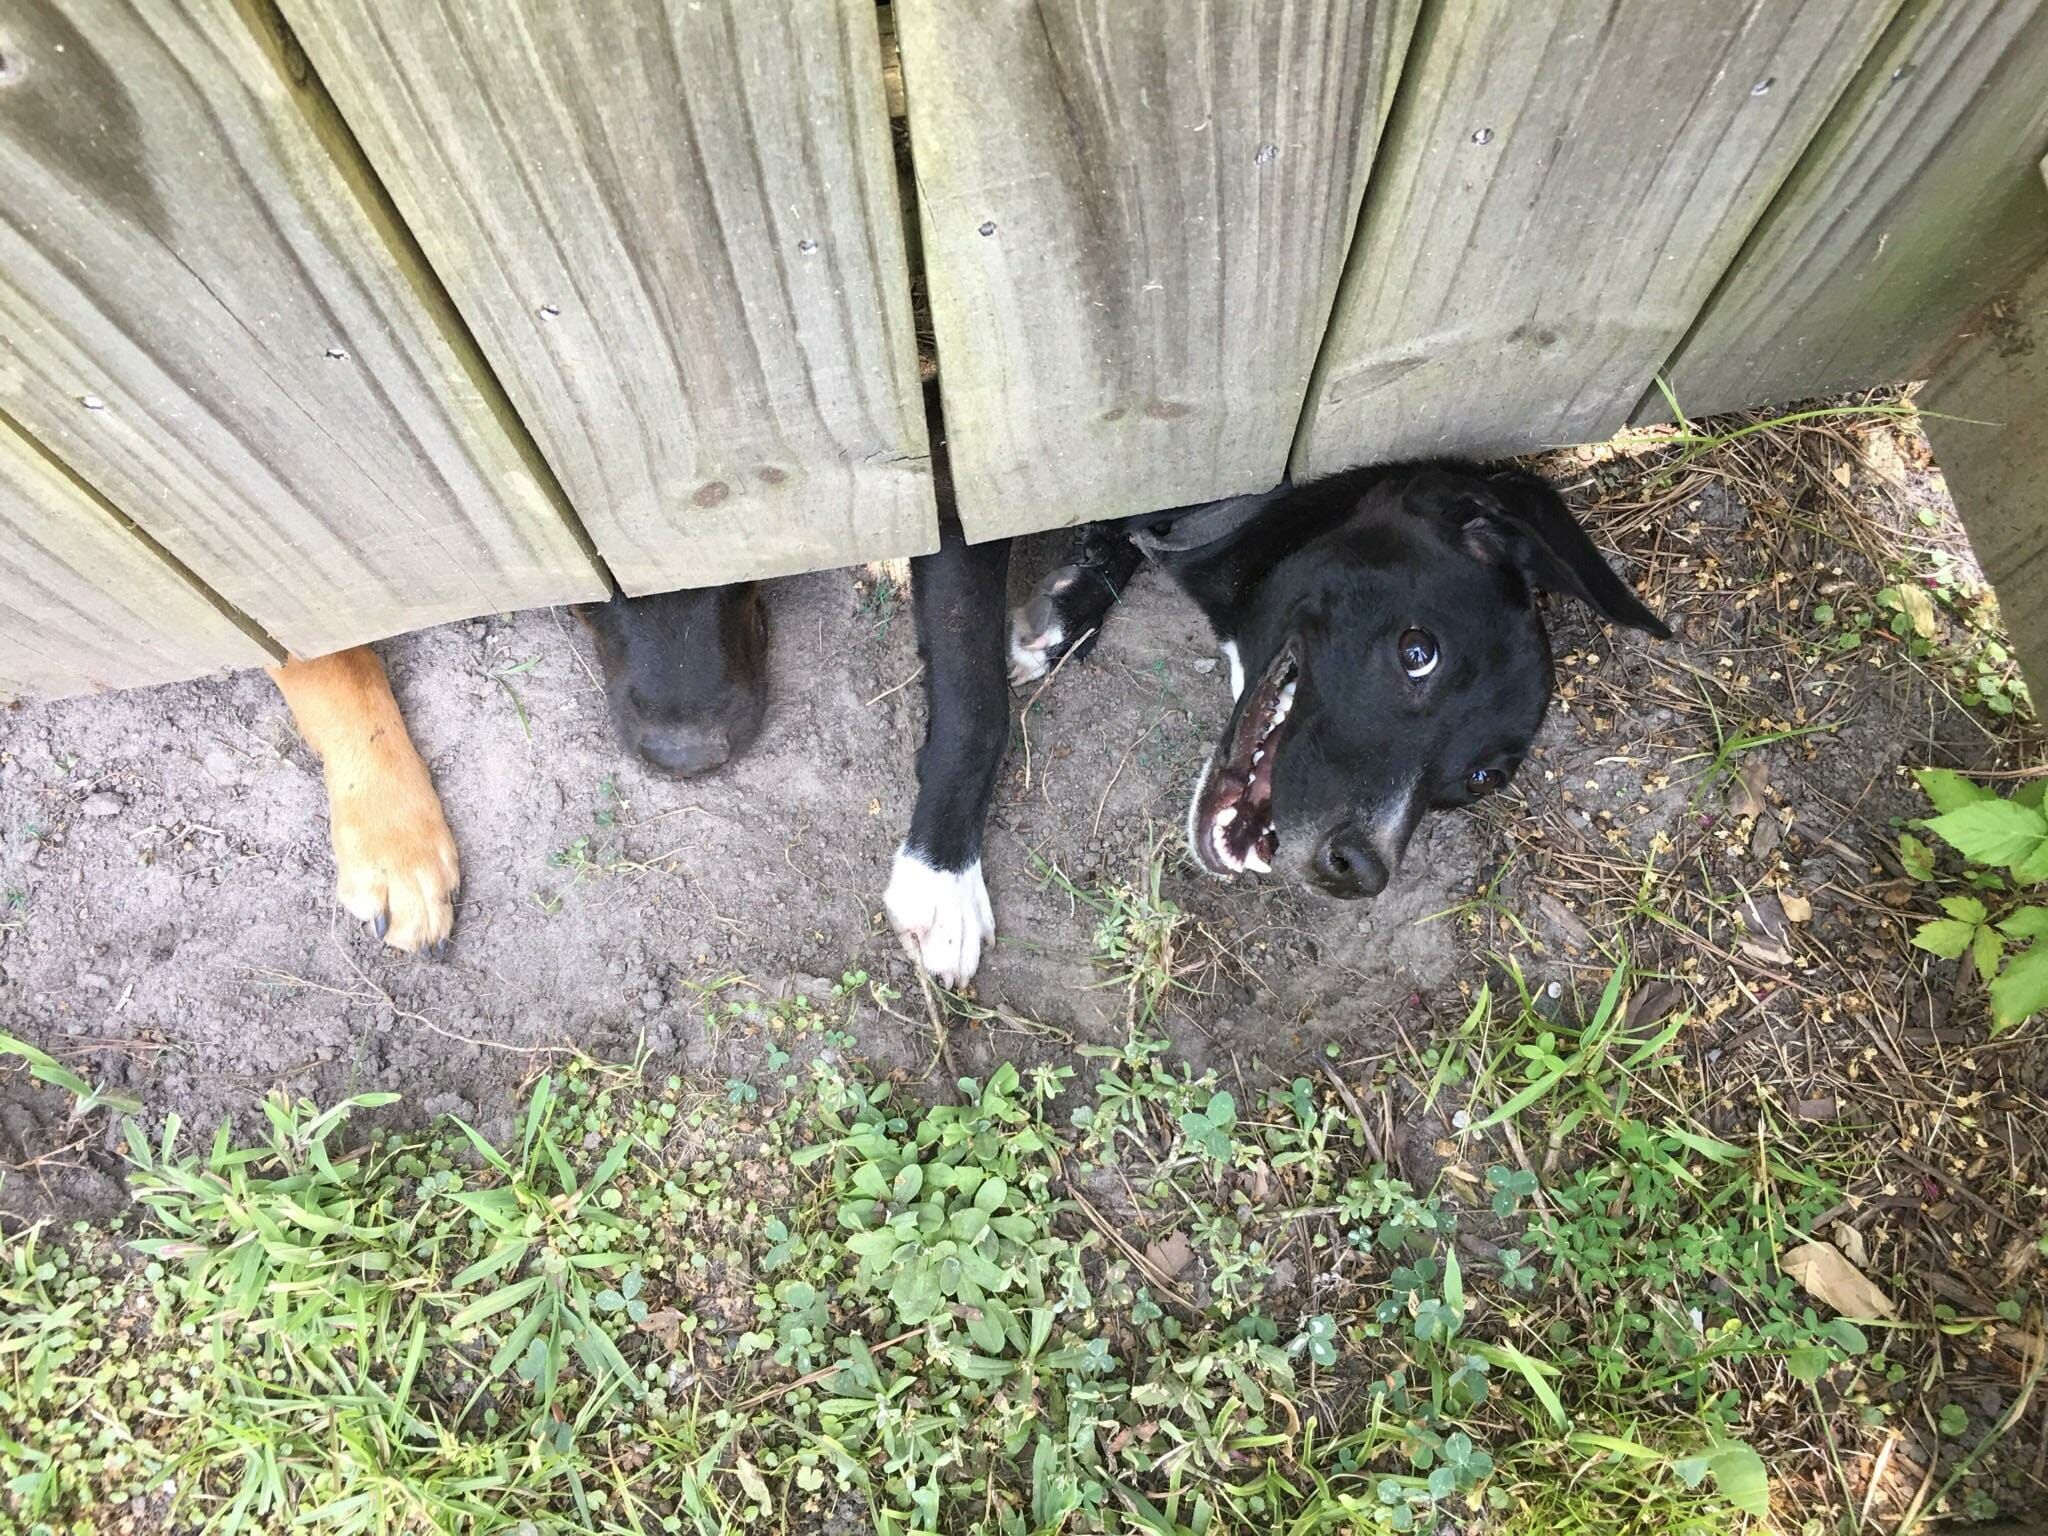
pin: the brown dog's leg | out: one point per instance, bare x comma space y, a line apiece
394, 858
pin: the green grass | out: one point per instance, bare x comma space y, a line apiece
1115, 1297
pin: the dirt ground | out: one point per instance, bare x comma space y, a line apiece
1727, 804
168, 927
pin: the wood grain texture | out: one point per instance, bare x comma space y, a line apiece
1134, 217
1917, 199
85, 604
1987, 399
208, 312
674, 228
1557, 194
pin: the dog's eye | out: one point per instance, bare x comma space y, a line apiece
1485, 780
1418, 652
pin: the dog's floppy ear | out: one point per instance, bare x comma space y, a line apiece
1526, 522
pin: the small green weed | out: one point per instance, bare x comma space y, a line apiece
1140, 935
1998, 919
503, 676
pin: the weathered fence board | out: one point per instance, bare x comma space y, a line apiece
675, 230
1917, 199
1557, 194
1135, 213
1990, 436
87, 604
209, 315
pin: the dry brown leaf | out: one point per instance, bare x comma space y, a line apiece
1170, 1255
1842, 474
1746, 793
1919, 608
1798, 909
1850, 1241
1822, 1272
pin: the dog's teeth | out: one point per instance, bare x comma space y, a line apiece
1258, 756
1225, 817
1253, 861
1287, 694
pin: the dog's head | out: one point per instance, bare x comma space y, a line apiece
1394, 665
685, 673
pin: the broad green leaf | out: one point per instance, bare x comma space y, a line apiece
1964, 909
1949, 790
1944, 937
2033, 869
1807, 1363
2026, 923
868, 1180
986, 1330
1739, 1474
2022, 990
1993, 832
916, 1293
1916, 857
1986, 949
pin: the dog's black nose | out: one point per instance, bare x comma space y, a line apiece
685, 754
1347, 866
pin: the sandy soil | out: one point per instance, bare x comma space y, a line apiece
169, 928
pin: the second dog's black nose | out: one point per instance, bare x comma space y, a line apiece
1347, 866
685, 755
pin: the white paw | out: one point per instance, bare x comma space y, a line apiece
1031, 646
942, 917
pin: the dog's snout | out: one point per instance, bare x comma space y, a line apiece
685, 753
1346, 864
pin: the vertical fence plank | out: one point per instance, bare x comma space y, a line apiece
1917, 199
1560, 188
84, 602
675, 230
1135, 214
1988, 395
208, 313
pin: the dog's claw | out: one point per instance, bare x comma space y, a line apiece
380, 924
941, 916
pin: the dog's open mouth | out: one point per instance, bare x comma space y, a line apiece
1231, 823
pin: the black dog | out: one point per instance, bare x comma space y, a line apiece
1385, 654
684, 673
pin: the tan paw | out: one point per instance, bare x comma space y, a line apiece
395, 861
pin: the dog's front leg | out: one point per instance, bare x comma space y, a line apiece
395, 864
936, 900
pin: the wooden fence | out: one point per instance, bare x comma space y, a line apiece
321, 320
